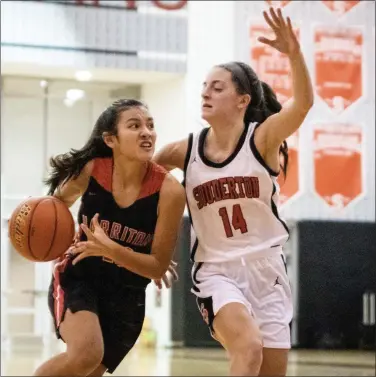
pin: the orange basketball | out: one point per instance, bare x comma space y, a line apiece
41, 229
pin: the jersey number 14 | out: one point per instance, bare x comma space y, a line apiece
237, 220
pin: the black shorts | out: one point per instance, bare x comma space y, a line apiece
121, 312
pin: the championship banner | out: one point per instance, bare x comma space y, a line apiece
270, 65
340, 7
290, 186
338, 66
338, 163
277, 4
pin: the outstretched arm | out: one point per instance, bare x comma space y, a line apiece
280, 126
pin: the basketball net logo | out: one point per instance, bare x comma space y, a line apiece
204, 313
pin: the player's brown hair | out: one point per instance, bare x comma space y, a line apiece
69, 165
263, 99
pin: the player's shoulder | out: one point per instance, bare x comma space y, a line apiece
172, 187
88, 168
101, 170
157, 169
153, 180
100, 165
167, 179
156, 175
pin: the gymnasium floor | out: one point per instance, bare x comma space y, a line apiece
21, 361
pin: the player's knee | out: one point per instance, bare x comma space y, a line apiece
253, 352
247, 352
87, 358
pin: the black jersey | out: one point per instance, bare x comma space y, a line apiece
132, 226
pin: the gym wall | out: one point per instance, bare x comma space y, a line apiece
334, 173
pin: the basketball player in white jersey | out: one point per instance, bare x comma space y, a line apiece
231, 171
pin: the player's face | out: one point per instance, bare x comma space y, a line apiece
136, 134
220, 100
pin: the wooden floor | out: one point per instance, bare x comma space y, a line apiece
22, 361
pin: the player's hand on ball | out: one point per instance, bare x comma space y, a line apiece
98, 244
285, 39
166, 279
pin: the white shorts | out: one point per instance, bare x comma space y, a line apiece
262, 285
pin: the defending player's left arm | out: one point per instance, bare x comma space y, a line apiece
153, 266
280, 126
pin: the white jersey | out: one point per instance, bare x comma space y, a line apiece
232, 204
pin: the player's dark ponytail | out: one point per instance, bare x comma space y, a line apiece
263, 99
69, 165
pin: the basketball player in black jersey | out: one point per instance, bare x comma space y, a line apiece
130, 214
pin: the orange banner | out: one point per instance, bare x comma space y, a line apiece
340, 6
338, 163
277, 4
338, 62
290, 186
270, 65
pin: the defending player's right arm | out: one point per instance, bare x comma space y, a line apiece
69, 191
276, 128
172, 155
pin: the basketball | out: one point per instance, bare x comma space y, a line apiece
41, 229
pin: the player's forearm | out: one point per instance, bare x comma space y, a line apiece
68, 194
68, 201
142, 264
301, 82
69, 191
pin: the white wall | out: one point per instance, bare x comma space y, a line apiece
34, 129
210, 41
22, 143
219, 32
64, 35
167, 104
